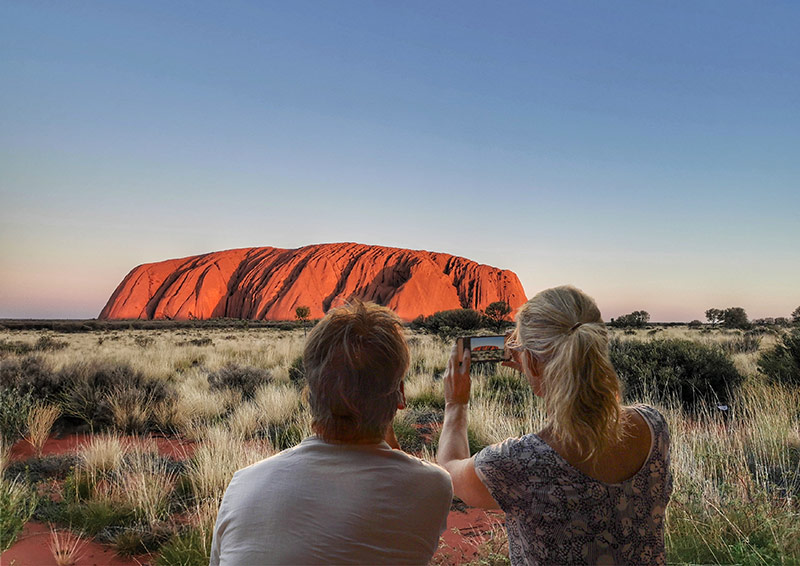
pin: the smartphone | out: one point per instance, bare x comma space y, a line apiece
484, 348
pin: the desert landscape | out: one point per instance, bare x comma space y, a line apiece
119, 442
186, 189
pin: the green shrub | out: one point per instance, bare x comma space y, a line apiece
17, 505
689, 371
451, 322
189, 548
92, 388
32, 374
745, 344
781, 364
16, 348
14, 408
427, 399
48, 343
52, 466
239, 378
204, 341
91, 517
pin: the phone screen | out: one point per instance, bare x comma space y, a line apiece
483, 348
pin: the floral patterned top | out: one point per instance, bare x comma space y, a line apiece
555, 514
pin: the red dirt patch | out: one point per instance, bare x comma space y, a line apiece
171, 447
466, 531
32, 549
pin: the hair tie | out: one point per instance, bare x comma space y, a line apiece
574, 328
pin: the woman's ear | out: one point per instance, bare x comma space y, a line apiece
402, 403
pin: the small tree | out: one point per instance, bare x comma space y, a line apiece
636, 319
796, 316
714, 316
302, 313
497, 313
735, 317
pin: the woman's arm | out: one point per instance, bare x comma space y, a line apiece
453, 453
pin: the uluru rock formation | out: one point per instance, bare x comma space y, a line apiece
270, 283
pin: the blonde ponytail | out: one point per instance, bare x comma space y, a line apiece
563, 329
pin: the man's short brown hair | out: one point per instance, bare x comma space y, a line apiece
355, 359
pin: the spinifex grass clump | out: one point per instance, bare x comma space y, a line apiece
40, 422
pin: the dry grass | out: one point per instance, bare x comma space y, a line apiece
41, 419
65, 546
221, 453
102, 454
145, 484
736, 482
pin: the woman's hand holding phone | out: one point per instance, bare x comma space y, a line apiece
456, 378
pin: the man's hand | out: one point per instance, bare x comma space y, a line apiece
456, 378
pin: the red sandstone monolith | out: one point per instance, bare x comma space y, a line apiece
270, 283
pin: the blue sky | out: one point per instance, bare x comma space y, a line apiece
645, 152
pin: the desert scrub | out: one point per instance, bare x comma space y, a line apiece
14, 408
191, 547
104, 393
17, 504
217, 458
694, 373
781, 364
245, 379
66, 546
39, 423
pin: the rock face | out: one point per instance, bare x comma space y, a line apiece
269, 283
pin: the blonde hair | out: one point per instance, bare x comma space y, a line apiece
355, 359
564, 331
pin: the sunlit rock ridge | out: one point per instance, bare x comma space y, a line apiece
270, 283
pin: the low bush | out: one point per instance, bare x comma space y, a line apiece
191, 547
52, 466
246, 379
204, 341
450, 323
32, 374
15, 404
104, 394
690, 372
17, 505
48, 343
781, 364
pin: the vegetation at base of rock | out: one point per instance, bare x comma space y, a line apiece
451, 322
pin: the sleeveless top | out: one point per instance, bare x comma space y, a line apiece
555, 514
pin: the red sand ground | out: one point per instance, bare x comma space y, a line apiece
465, 529
175, 448
32, 549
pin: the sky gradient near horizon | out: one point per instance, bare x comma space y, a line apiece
646, 153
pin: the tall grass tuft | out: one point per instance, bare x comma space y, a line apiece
40, 421
65, 546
